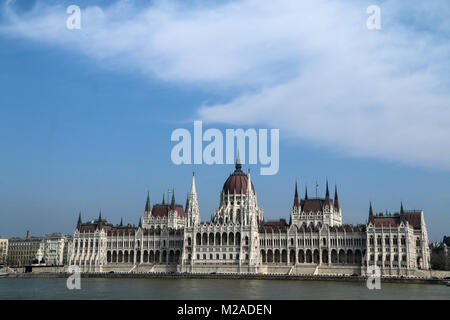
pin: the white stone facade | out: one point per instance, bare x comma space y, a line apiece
52, 250
3, 250
237, 239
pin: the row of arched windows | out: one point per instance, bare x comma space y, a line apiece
218, 239
387, 240
315, 242
311, 256
147, 256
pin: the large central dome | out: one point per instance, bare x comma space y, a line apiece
237, 181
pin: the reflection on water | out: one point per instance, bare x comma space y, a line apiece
213, 289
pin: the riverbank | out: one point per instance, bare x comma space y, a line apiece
102, 275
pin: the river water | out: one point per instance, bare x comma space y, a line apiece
55, 288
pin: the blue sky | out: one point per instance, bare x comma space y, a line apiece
86, 117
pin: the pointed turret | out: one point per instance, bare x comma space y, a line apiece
192, 205
172, 203
327, 195
193, 189
79, 221
140, 223
163, 200
147, 203
336, 199
121, 222
306, 192
402, 212
100, 216
296, 202
370, 212
238, 165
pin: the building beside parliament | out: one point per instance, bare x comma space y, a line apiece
237, 239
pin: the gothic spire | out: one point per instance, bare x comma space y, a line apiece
402, 212
121, 222
336, 200
249, 183
100, 216
79, 219
192, 205
193, 189
306, 192
163, 200
147, 203
238, 161
327, 195
140, 222
296, 202
370, 212
172, 203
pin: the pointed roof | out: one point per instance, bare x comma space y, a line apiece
336, 200
249, 182
140, 222
327, 195
121, 222
193, 189
172, 203
238, 165
296, 202
163, 200
79, 218
147, 203
370, 212
402, 212
306, 192
100, 216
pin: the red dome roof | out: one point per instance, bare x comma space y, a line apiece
236, 182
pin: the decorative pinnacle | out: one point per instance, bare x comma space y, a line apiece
238, 161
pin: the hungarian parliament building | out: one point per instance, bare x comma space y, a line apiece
237, 239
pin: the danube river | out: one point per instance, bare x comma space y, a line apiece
55, 288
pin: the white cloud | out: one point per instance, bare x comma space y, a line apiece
310, 68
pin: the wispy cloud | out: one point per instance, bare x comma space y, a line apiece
311, 68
